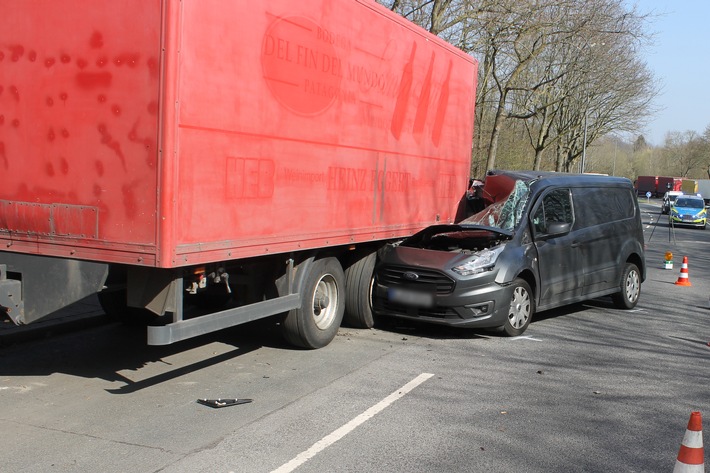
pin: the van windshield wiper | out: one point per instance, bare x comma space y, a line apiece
473, 226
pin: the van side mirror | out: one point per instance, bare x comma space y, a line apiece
558, 228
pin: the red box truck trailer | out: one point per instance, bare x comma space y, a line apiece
252, 155
665, 184
646, 184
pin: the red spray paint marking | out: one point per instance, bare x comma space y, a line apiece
115, 146
16, 52
3, 158
97, 40
92, 80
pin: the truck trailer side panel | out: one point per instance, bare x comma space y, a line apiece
303, 125
173, 133
79, 108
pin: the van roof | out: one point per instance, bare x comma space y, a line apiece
561, 178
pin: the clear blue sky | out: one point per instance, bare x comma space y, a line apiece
680, 62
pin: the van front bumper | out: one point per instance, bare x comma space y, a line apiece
481, 306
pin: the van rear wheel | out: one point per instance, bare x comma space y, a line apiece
629, 288
521, 309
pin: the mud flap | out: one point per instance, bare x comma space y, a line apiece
32, 287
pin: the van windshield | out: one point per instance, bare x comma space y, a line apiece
506, 212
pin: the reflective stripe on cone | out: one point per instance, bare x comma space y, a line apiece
691, 457
683, 279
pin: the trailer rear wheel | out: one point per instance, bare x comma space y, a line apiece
358, 292
316, 323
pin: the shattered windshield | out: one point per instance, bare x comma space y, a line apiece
505, 213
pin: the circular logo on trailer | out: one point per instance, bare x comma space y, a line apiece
300, 65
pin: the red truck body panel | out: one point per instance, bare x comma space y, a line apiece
166, 133
646, 184
668, 184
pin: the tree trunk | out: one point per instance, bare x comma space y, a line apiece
495, 132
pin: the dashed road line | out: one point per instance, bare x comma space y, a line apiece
337, 434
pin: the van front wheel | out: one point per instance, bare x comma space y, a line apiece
521, 309
629, 288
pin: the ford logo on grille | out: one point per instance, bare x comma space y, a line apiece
410, 276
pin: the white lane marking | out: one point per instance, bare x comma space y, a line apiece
527, 337
337, 434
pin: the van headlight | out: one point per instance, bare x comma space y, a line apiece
483, 261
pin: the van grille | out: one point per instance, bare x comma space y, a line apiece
386, 306
427, 279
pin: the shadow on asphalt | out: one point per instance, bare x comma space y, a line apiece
103, 350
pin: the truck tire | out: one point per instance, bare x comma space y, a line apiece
322, 292
358, 292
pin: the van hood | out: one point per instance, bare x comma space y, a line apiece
444, 246
457, 238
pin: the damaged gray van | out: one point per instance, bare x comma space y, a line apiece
542, 240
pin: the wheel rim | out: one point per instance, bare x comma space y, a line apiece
519, 308
633, 286
325, 302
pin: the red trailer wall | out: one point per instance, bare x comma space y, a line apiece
264, 127
312, 123
79, 85
646, 184
664, 183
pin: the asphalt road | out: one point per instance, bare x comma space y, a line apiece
588, 388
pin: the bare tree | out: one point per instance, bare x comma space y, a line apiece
684, 152
569, 71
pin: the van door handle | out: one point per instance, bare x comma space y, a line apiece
576, 244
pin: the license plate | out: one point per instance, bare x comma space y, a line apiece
410, 297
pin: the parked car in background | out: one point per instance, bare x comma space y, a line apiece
668, 199
543, 240
688, 210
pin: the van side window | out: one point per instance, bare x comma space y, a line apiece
598, 205
556, 207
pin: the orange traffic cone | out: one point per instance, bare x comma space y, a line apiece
683, 278
691, 457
